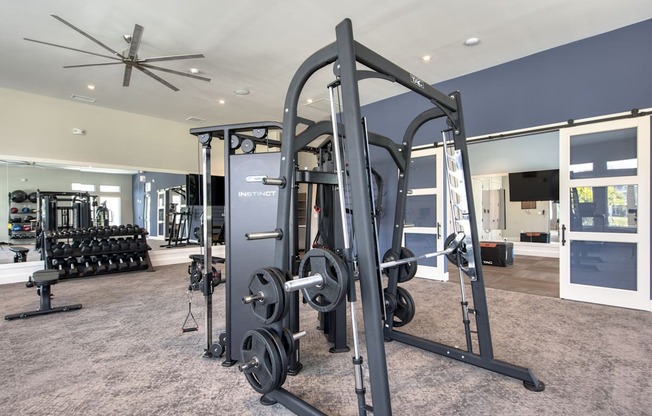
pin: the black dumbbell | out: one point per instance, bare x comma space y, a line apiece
111, 265
57, 250
71, 265
122, 264
59, 266
67, 250
98, 265
86, 267
124, 244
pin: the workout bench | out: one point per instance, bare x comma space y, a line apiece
20, 254
43, 279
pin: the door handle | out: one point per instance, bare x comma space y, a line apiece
438, 231
563, 234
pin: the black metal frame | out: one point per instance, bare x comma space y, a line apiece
347, 53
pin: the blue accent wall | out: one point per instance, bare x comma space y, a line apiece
604, 74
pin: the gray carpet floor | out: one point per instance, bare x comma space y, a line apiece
124, 354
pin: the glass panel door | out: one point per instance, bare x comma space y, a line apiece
424, 211
605, 213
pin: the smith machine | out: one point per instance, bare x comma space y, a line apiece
262, 310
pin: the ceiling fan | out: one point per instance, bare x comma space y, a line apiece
130, 57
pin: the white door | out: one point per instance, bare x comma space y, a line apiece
605, 213
114, 205
424, 211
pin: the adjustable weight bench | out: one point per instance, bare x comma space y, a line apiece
43, 279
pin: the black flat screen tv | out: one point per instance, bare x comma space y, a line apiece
195, 195
540, 185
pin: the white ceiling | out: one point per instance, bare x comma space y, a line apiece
258, 45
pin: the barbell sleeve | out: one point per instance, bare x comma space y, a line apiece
451, 247
253, 363
304, 282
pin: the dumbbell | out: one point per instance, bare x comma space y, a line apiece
58, 265
71, 265
85, 247
133, 244
120, 263
142, 246
57, 250
105, 246
142, 263
85, 267
96, 248
130, 229
124, 244
132, 262
98, 265
111, 265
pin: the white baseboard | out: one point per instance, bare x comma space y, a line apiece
20, 272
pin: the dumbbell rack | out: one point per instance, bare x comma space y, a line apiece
107, 252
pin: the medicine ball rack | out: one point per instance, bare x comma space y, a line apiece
325, 275
23, 216
91, 251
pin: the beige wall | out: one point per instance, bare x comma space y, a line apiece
40, 128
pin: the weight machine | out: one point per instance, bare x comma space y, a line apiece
265, 341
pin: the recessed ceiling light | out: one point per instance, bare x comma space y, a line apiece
222, 102
91, 86
309, 100
426, 58
194, 71
241, 91
472, 41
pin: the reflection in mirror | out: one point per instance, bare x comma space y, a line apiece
499, 218
112, 188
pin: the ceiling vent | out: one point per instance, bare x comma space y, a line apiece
195, 120
83, 98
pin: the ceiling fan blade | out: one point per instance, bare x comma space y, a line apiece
73, 49
135, 41
98, 64
172, 71
81, 32
127, 77
171, 58
156, 77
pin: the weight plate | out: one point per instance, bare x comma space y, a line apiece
328, 295
283, 356
282, 277
265, 370
406, 271
390, 302
259, 133
271, 307
405, 307
288, 341
217, 350
453, 255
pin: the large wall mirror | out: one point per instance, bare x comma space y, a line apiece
503, 173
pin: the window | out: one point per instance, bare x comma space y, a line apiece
110, 188
82, 187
